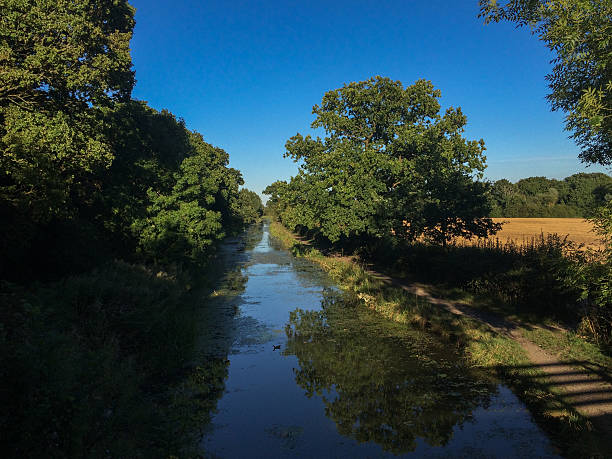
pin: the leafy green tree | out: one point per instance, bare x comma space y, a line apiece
588, 191
250, 207
575, 196
60, 63
89, 175
65, 54
539, 194
150, 147
503, 194
278, 199
340, 195
460, 208
591, 275
63, 64
533, 186
384, 149
185, 223
548, 198
603, 227
579, 32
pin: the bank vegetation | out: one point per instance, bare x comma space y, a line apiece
108, 209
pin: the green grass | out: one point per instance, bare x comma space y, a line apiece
392, 302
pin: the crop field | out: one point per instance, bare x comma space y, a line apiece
522, 230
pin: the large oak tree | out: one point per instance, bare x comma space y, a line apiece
390, 163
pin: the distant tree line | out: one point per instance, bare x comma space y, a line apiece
579, 195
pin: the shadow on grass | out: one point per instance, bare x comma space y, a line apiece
556, 391
116, 362
579, 384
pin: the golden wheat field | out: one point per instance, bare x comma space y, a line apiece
522, 230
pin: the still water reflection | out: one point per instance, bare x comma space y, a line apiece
314, 374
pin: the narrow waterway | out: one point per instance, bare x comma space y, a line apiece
314, 374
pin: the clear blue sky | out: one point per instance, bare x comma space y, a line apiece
246, 74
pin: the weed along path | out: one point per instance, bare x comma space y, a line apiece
313, 373
581, 385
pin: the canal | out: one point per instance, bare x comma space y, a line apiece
313, 373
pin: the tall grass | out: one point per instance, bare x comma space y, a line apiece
92, 365
545, 277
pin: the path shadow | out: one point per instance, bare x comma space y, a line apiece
566, 387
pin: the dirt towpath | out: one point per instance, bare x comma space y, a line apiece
582, 385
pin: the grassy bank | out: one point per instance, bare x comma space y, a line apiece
480, 345
547, 279
101, 365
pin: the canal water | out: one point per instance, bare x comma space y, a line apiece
314, 374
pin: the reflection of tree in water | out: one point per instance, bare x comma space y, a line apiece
253, 235
378, 380
193, 398
194, 401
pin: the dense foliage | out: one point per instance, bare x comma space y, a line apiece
167, 196
390, 164
579, 33
392, 174
61, 64
95, 365
90, 345
80, 158
102, 196
250, 207
579, 195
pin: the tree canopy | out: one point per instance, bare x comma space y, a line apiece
104, 203
61, 63
250, 207
85, 165
390, 164
579, 33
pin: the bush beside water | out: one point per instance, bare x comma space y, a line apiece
92, 365
547, 277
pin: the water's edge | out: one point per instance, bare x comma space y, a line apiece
312, 375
